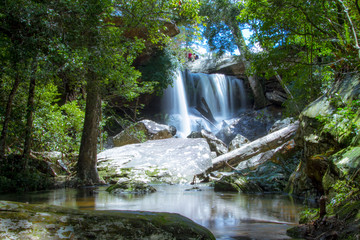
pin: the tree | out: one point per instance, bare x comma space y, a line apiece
223, 33
305, 42
134, 23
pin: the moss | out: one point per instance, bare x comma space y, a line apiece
153, 173
52, 222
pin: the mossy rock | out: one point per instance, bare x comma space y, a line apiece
132, 187
28, 221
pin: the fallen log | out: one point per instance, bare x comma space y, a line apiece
259, 146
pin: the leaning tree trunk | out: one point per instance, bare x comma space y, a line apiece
256, 87
86, 167
4, 132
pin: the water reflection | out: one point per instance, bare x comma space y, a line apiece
227, 215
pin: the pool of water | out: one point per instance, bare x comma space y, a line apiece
227, 215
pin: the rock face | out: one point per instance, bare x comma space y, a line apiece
216, 145
154, 159
324, 132
230, 65
26, 221
142, 131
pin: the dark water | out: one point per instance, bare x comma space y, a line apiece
227, 215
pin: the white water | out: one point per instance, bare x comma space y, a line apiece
225, 96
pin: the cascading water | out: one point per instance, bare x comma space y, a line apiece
177, 106
202, 101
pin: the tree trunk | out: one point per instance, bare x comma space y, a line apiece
259, 146
8, 110
256, 87
30, 114
87, 163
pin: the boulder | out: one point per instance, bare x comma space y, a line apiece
174, 157
28, 221
130, 187
216, 145
142, 131
237, 142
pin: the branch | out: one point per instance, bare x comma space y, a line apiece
352, 26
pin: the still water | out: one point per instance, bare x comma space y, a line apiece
227, 215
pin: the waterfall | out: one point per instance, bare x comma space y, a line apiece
176, 105
184, 102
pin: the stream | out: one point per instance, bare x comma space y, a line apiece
227, 215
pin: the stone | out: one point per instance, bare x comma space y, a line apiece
154, 159
142, 131
216, 145
237, 142
28, 221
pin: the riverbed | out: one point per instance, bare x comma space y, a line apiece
227, 215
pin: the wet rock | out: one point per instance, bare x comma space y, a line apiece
178, 158
237, 142
216, 145
236, 183
27, 221
130, 187
142, 131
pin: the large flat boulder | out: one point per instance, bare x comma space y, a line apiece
28, 221
180, 158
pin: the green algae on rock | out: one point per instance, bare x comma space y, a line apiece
28, 221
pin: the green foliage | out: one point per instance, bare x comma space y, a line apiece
308, 215
307, 43
160, 69
56, 128
341, 123
345, 191
14, 178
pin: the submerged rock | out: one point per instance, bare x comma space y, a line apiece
27, 221
177, 158
131, 187
236, 183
